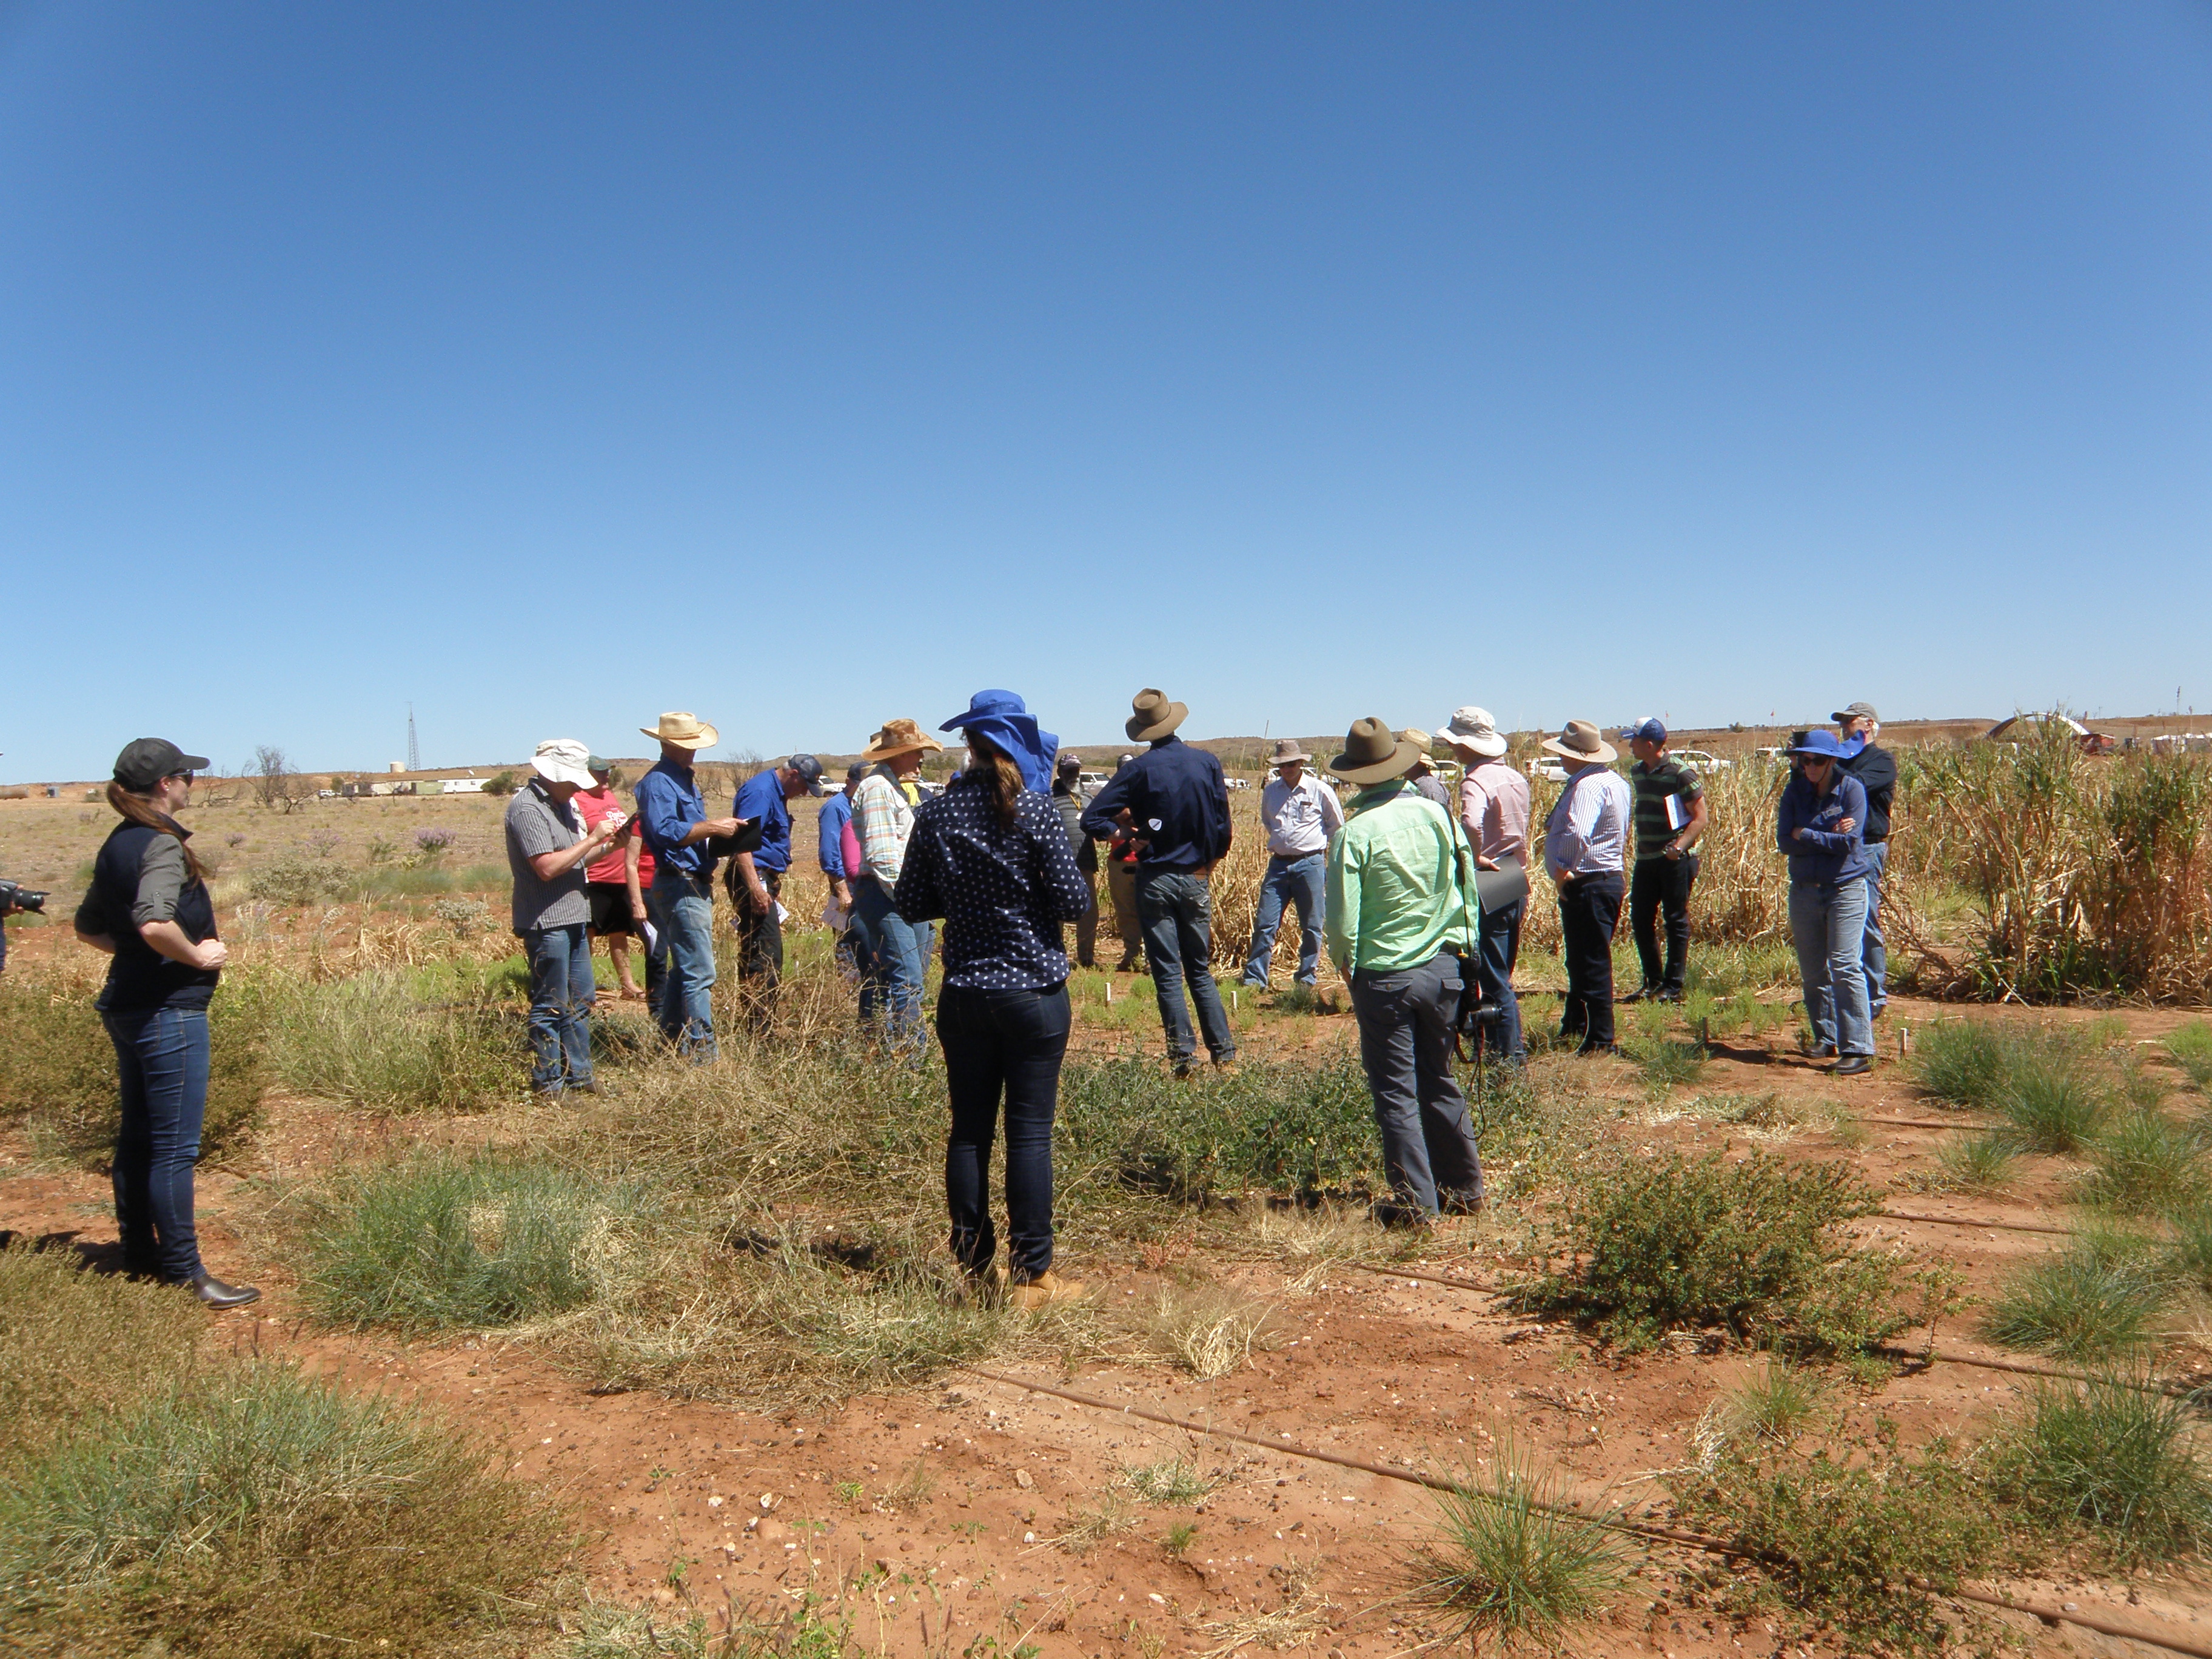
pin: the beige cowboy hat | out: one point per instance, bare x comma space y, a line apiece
1155, 716
1414, 735
1288, 749
1373, 753
684, 729
899, 737
1473, 730
1579, 740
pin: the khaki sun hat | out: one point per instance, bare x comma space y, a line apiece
1373, 753
1414, 734
900, 737
1473, 730
563, 760
1288, 749
685, 730
1579, 740
1155, 716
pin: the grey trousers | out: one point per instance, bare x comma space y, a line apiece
1405, 1042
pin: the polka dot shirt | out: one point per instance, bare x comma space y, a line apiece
1002, 891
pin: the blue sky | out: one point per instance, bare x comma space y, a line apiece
547, 367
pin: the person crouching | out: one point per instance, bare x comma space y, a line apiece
1404, 929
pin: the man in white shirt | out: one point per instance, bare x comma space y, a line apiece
1299, 813
1585, 849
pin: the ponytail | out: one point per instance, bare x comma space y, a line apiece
139, 810
999, 775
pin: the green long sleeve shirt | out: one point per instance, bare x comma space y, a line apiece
1400, 884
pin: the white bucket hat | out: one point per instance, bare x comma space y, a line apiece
1472, 730
563, 760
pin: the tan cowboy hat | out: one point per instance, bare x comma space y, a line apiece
1473, 730
1579, 740
1288, 749
685, 730
1414, 734
899, 737
1374, 753
1155, 716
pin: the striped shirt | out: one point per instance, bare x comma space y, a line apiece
1654, 784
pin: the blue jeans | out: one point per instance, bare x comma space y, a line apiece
1178, 911
893, 955
1303, 882
161, 1065
1001, 1045
561, 991
1405, 1046
1828, 922
1501, 948
683, 907
1875, 956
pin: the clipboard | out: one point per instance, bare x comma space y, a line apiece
1507, 884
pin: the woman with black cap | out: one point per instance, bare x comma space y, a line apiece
990, 855
148, 909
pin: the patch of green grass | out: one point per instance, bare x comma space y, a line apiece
1775, 1406
803, 1631
442, 1243
77, 1344
2118, 1460
2191, 1045
1666, 1065
2085, 1304
1754, 1248
2145, 1163
1171, 1481
1963, 1061
2051, 1102
1506, 1563
2143, 1088
1981, 1162
371, 1041
2190, 1252
1178, 1539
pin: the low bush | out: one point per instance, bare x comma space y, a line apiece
443, 1242
1756, 1248
294, 880
2115, 1458
1507, 1562
2191, 1045
368, 1041
2085, 1304
2144, 1164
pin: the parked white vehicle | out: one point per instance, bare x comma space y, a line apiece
1548, 769
1698, 760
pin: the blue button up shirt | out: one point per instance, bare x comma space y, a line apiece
1823, 853
1179, 800
760, 796
668, 804
1003, 891
830, 832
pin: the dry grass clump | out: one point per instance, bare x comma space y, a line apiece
1208, 1330
374, 1040
76, 1345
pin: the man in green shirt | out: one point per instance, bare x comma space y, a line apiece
1404, 928
1670, 818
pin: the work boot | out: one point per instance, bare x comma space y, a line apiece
1043, 1291
219, 1295
1852, 1065
1644, 993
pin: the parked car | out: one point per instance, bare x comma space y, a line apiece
1548, 769
2014, 728
1091, 782
1698, 760
1238, 783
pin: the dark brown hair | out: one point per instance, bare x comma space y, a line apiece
140, 809
1000, 775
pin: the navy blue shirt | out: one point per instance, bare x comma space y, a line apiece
760, 796
1002, 891
668, 804
1179, 800
1824, 852
830, 835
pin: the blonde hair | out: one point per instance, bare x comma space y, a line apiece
140, 809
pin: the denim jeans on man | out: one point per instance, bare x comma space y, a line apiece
683, 907
1001, 1045
1875, 956
1501, 949
894, 956
161, 1062
1303, 882
1661, 886
1405, 1046
1827, 919
561, 992
1590, 911
1177, 910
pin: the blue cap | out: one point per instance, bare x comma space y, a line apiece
1649, 731
1820, 743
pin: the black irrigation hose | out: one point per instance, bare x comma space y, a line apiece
2048, 1615
1968, 1221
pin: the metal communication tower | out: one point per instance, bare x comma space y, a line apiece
414, 753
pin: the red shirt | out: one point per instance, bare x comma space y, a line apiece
594, 805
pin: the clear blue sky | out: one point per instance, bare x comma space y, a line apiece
550, 367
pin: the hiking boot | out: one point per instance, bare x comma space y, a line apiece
1644, 993
1399, 1218
1457, 1201
1588, 1049
1852, 1065
1043, 1291
1668, 993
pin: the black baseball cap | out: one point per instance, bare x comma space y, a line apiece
145, 762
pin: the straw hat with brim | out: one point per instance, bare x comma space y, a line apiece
899, 737
1289, 750
1474, 731
1580, 741
563, 760
684, 729
1373, 753
1155, 716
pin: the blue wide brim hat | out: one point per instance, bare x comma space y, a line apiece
1821, 743
1004, 720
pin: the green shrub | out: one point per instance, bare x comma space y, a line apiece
1974, 1164
2117, 1459
1963, 1061
1666, 1065
2191, 1045
1756, 1247
2085, 1304
2190, 1252
2051, 1102
293, 880
367, 1040
2145, 1163
444, 1244
1505, 1562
